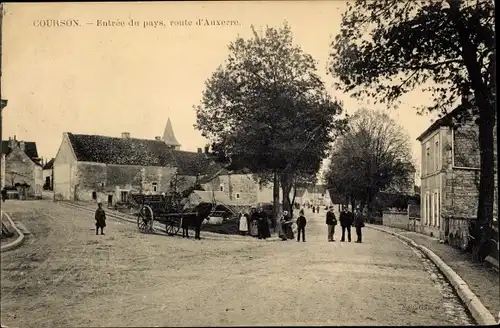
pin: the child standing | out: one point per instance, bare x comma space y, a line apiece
301, 226
100, 219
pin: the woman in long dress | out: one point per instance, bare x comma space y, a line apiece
243, 224
254, 226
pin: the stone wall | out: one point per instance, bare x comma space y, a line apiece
110, 180
461, 193
466, 146
395, 219
19, 168
241, 188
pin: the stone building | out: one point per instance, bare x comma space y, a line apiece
107, 169
317, 195
47, 174
450, 171
21, 167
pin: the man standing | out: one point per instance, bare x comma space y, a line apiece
346, 221
359, 223
331, 221
100, 219
301, 226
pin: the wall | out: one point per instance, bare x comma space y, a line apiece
19, 168
241, 188
112, 179
64, 171
45, 174
395, 219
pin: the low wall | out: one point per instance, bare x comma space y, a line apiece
395, 219
415, 224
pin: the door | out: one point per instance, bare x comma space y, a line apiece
110, 200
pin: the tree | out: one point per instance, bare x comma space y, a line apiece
267, 109
372, 156
448, 43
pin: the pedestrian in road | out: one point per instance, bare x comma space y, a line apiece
331, 221
100, 219
301, 226
254, 223
346, 221
282, 226
263, 224
185, 227
288, 231
243, 224
314, 209
198, 220
317, 209
359, 223
4, 195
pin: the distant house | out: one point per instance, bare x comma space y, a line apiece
21, 168
317, 195
450, 173
47, 174
107, 169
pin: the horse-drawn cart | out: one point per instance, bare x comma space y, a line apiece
166, 210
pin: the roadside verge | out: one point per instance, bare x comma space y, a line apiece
480, 313
20, 236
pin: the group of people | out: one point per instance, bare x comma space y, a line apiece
256, 223
347, 220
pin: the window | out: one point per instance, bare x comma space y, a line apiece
221, 187
237, 196
438, 209
436, 156
155, 186
101, 184
124, 196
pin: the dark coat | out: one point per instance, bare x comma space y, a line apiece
330, 218
346, 219
100, 218
359, 221
301, 221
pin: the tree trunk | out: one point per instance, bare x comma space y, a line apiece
353, 204
486, 128
286, 187
293, 201
276, 198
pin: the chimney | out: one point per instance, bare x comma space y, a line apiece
158, 138
125, 135
199, 151
207, 149
22, 145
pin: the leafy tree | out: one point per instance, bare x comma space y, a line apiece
267, 109
372, 156
447, 47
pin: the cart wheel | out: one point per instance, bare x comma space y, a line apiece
145, 219
173, 225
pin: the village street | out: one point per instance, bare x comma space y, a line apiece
65, 275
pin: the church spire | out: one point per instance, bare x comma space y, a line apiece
169, 137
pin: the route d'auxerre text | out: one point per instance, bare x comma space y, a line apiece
133, 23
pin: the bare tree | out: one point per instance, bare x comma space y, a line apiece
373, 155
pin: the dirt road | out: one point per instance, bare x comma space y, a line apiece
65, 275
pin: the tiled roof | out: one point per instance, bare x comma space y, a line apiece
29, 148
142, 152
49, 165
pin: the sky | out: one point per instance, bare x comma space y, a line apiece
105, 80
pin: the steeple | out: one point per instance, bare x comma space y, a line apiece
169, 137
